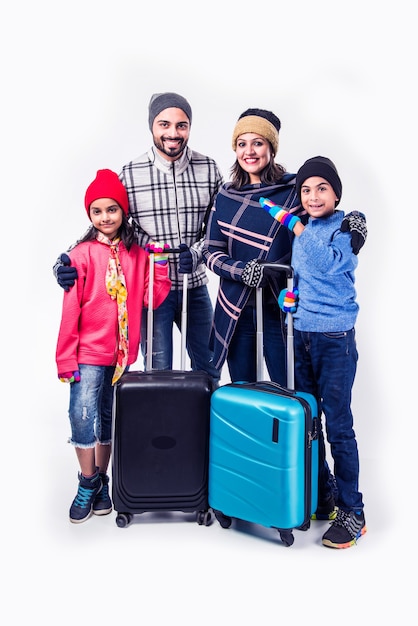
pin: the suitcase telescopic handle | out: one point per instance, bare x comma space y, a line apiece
150, 313
288, 271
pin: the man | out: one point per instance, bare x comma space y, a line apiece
171, 189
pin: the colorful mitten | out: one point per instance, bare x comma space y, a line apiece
158, 248
288, 300
70, 377
279, 214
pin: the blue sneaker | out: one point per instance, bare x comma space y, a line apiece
102, 504
345, 530
82, 505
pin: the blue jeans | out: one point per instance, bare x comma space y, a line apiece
325, 366
199, 324
90, 409
241, 358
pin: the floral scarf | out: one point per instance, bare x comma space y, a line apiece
116, 288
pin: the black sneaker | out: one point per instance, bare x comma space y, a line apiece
102, 504
345, 530
326, 510
82, 505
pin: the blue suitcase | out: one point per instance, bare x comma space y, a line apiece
263, 447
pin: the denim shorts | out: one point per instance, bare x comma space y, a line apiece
90, 409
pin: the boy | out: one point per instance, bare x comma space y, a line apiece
325, 347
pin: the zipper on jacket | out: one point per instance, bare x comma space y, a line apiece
177, 204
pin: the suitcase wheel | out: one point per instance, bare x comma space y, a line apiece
204, 518
305, 526
123, 519
224, 521
287, 537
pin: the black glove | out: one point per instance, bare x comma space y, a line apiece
66, 274
355, 224
185, 259
253, 274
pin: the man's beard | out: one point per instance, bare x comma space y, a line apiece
171, 152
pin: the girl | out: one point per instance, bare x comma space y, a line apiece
99, 334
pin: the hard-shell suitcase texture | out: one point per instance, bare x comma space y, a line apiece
263, 448
160, 438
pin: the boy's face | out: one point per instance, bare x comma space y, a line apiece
106, 216
170, 132
318, 197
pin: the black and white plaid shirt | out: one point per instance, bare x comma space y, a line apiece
168, 202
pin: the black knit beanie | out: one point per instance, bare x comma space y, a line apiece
320, 166
167, 100
268, 115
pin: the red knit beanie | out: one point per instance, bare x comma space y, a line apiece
106, 185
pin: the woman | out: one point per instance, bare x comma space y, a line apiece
239, 234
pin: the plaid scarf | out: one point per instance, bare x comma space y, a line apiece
116, 288
239, 232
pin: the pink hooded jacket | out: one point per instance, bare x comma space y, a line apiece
88, 331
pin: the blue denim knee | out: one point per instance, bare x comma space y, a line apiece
90, 410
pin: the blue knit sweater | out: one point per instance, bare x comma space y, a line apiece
324, 265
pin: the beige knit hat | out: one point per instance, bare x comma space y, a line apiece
258, 121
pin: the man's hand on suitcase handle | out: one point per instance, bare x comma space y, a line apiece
158, 249
288, 300
185, 259
70, 377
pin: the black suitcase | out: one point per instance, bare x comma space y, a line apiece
161, 437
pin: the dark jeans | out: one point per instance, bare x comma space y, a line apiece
242, 349
199, 324
325, 365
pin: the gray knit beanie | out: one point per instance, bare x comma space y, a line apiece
161, 101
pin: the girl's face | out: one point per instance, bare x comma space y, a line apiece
253, 153
318, 197
106, 216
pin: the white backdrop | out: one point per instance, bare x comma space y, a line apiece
76, 81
